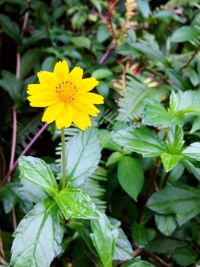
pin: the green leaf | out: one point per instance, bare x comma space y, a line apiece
191, 168
193, 151
102, 33
142, 235
185, 103
141, 140
103, 238
131, 176
137, 262
101, 73
106, 141
39, 173
114, 158
74, 203
81, 41
10, 27
165, 223
170, 160
83, 155
184, 34
195, 125
136, 96
28, 61
37, 240
182, 201
123, 250
12, 86
185, 256
156, 115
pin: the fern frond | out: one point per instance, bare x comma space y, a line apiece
137, 94
108, 118
26, 131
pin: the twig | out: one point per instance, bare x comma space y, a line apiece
25, 151
14, 218
14, 137
108, 51
192, 57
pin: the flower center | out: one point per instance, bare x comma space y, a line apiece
66, 91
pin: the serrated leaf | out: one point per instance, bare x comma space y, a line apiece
165, 223
156, 115
184, 34
39, 173
37, 240
103, 238
131, 176
136, 96
74, 203
83, 155
182, 201
141, 140
10, 27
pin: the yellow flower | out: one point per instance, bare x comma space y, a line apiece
66, 96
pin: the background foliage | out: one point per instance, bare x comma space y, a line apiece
140, 162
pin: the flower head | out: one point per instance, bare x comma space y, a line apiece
66, 96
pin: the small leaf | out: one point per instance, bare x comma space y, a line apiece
141, 140
142, 235
28, 61
191, 168
165, 223
37, 240
185, 33
74, 203
10, 27
137, 262
182, 201
38, 172
83, 155
185, 256
102, 33
131, 176
195, 125
101, 73
103, 238
170, 160
114, 158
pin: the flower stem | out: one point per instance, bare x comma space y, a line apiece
63, 159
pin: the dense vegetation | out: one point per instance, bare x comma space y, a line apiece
139, 163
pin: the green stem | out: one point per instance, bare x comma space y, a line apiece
63, 159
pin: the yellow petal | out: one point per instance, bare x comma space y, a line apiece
52, 112
80, 119
93, 98
87, 84
76, 74
86, 106
46, 77
61, 70
34, 89
64, 120
41, 101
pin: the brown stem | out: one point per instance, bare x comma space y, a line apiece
14, 219
192, 57
107, 53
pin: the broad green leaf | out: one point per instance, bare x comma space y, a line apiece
185, 103
182, 201
74, 203
123, 250
191, 168
81, 41
103, 89
101, 73
193, 151
137, 95
141, 235
103, 238
10, 27
165, 223
39, 173
162, 245
131, 176
195, 124
83, 155
12, 86
114, 158
37, 240
170, 160
156, 115
137, 262
102, 33
184, 34
185, 256
28, 61
141, 140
